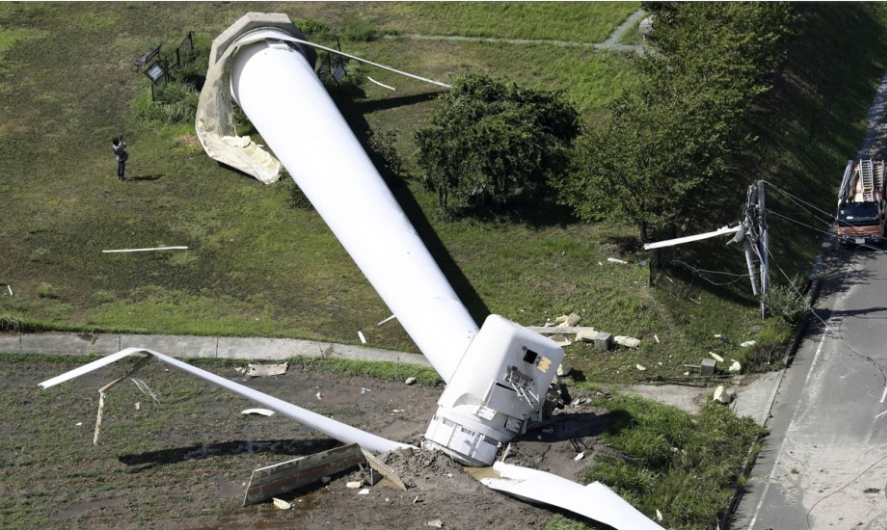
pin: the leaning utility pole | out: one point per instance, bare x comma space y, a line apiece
755, 241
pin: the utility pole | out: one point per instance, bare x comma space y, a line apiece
764, 248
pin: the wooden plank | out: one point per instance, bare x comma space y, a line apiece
273, 480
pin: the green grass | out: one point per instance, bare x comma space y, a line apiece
256, 266
579, 22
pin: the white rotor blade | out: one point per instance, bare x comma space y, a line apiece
595, 501
330, 427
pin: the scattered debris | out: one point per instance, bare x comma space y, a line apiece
615, 260
417, 499
707, 367
389, 319
265, 370
363, 340
380, 84
658, 515
380, 467
354, 484
641, 368
564, 369
273, 480
561, 340
142, 249
138, 405
628, 342
325, 480
586, 335
718, 336
410, 381
78, 424
364, 390
722, 395
716, 357
603, 341
579, 457
319, 395
435, 523
572, 320
657, 338
365, 491
9, 288
748, 343
258, 412
735, 367
281, 504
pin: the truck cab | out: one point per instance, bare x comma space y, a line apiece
862, 209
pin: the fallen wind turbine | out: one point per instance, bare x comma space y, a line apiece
497, 376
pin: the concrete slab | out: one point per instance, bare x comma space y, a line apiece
357, 353
10, 343
174, 346
754, 396
56, 343
105, 345
267, 349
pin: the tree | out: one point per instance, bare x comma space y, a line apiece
672, 151
495, 137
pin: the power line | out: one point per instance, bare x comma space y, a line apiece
800, 201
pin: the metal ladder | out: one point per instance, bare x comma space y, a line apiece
867, 174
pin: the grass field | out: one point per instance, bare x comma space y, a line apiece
257, 267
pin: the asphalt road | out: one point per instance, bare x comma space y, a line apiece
825, 463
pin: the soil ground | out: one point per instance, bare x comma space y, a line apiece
184, 462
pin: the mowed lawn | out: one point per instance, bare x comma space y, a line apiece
256, 266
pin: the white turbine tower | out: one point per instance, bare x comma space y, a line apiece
497, 376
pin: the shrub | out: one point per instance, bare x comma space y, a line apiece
45, 290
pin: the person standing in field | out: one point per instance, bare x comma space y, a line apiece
119, 147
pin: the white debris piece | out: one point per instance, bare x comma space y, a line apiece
716, 357
572, 320
79, 423
258, 412
628, 342
615, 260
561, 341
281, 504
266, 370
564, 368
365, 491
410, 381
718, 336
657, 338
138, 405
658, 515
735, 367
748, 343
354, 484
363, 340
579, 457
586, 335
722, 395
389, 319
319, 395
640, 367
435, 523
380, 84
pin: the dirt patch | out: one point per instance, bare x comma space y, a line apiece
184, 462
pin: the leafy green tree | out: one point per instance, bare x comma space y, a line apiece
497, 137
674, 150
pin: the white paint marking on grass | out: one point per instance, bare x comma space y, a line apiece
116, 251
